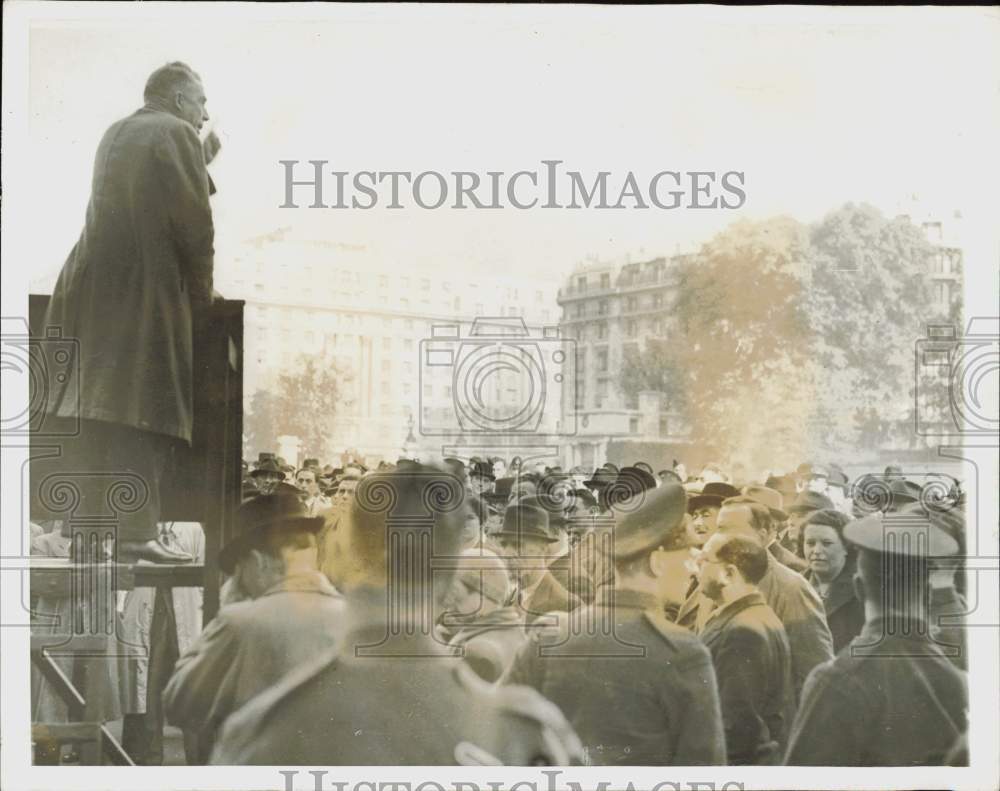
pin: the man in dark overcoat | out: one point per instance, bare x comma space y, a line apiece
128, 297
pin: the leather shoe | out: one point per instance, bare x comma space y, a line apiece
152, 550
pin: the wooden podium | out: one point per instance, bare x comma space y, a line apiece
203, 482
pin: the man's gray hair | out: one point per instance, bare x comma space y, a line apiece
167, 80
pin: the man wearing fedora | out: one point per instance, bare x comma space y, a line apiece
703, 508
394, 693
267, 474
786, 592
772, 500
893, 698
652, 699
529, 542
278, 612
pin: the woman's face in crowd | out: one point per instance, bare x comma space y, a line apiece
824, 551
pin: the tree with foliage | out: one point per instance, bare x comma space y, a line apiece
789, 342
303, 404
869, 301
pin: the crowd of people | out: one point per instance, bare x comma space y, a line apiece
481, 611
612, 616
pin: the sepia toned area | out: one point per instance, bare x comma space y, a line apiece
301, 496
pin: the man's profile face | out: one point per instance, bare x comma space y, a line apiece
191, 104
711, 572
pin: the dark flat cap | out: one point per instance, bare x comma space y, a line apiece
647, 521
909, 534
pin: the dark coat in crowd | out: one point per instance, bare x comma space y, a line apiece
377, 702
251, 645
797, 606
901, 702
753, 667
127, 290
845, 613
646, 696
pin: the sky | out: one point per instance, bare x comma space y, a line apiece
816, 106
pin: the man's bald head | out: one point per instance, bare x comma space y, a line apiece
746, 516
164, 83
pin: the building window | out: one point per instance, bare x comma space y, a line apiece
408, 344
602, 308
425, 284
383, 281
664, 426
602, 331
601, 393
605, 281
631, 304
657, 301
386, 366
581, 283
539, 296
579, 310
633, 425
386, 343
602, 360
631, 329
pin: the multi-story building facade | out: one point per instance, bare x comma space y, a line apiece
333, 302
609, 309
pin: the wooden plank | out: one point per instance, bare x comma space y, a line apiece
54, 577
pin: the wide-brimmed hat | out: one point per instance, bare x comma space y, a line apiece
810, 501
266, 467
263, 515
482, 469
527, 521
771, 498
602, 477
711, 495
